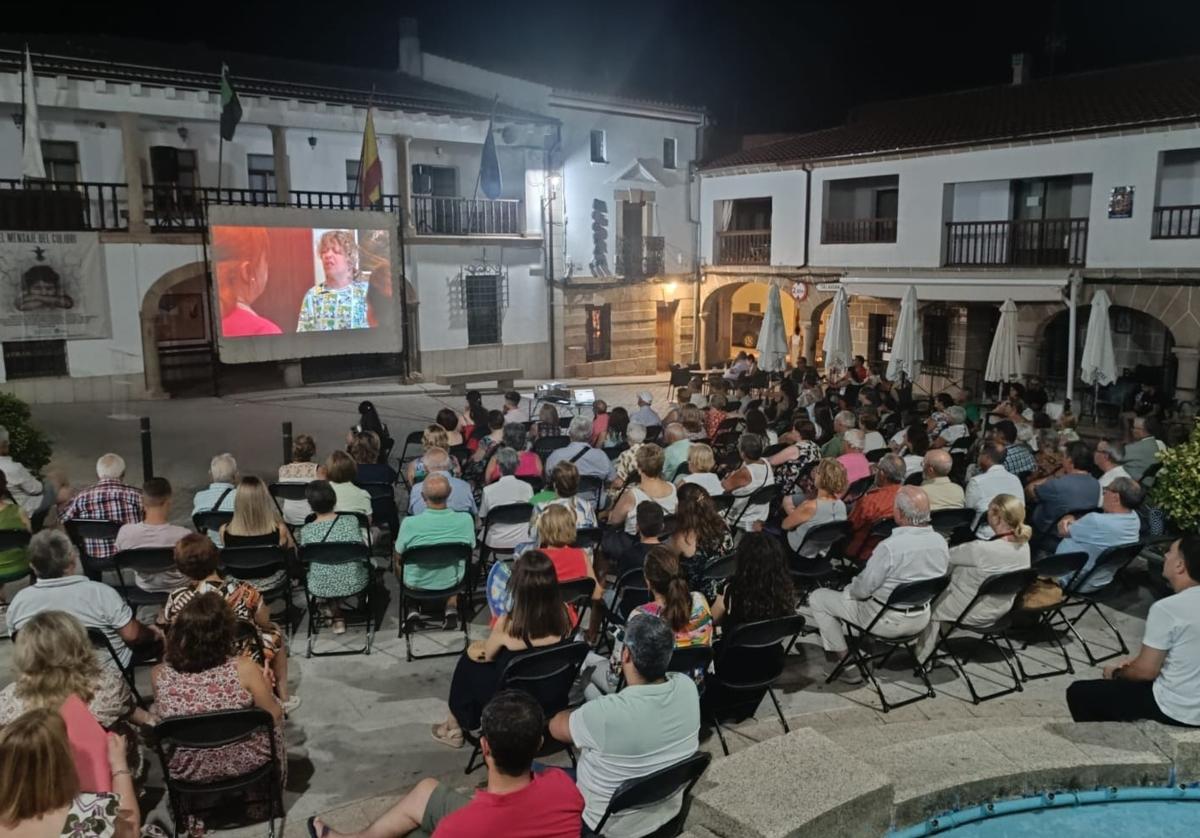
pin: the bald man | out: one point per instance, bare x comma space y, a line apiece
913, 552
942, 493
438, 524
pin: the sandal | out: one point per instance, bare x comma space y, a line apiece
312, 828
451, 738
339, 626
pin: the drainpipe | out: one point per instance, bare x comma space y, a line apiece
548, 232
1071, 332
695, 222
807, 209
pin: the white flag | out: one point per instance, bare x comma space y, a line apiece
32, 164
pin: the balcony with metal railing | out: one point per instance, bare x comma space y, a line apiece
640, 257
858, 230
49, 205
1048, 242
1178, 222
437, 215
744, 247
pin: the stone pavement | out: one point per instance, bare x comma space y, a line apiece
362, 735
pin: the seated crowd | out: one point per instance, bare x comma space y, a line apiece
675, 531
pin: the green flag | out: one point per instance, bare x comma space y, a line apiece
231, 106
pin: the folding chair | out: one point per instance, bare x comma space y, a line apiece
80, 530
285, 492
251, 564
146, 560
1114, 560
630, 592
592, 488
616, 451
914, 479
945, 521
909, 596
414, 438
723, 504
820, 541
877, 455
760, 496
544, 446
720, 568
548, 674
384, 511
587, 538
1055, 566
433, 557
654, 433
731, 423
211, 520
211, 731
763, 641
509, 513
577, 593
1001, 585
882, 528
100, 643
857, 489
656, 787
335, 553
535, 481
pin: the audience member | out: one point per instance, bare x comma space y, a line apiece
701, 470
752, 474
1163, 682
109, 499
437, 524
872, 439
301, 469
433, 438
626, 462
1109, 457
547, 423
912, 553
942, 493
1074, 490
1066, 428
686, 612
599, 422
529, 464
972, 564
761, 587
256, 523
368, 420
340, 471
564, 491
993, 479
1116, 524
516, 803
33, 496
701, 535
844, 421
14, 562
955, 429
512, 405
218, 497
792, 464
692, 419
591, 462
449, 421
645, 415
756, 423
96, 605
802, 514
506, 491
715, 415
852, 459
650, 487
488, 442
676, 452
652, 723
914, 447
1049, 459
1144, 450
618, 427
876, 505
332, 582
462, 496
155, 531
364, 450
1018, 456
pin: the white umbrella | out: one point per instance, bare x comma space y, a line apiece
772, 342
1099, 364
837, 347
1004, 359
907, 351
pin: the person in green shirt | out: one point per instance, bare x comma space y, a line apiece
676, 452
436, 525
843, 422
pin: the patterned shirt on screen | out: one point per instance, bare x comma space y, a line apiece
325, 310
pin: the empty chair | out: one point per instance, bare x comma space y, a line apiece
1109, 563
1055, 566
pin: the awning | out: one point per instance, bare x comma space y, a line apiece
962, 289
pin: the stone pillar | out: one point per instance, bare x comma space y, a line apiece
131, 149
283, 165
404, 181
1187, 372
150, 362
808, 340
706, 327
1027, 348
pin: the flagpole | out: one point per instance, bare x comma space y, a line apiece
491, 119
363, 147
220, 135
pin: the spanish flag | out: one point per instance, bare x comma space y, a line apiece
370, 170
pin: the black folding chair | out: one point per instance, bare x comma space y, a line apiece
544, 446
763, 495
615, 451
766, 643
431, 558
998, 586
630, 592
415, 438
509, 513
384, 511
587, 538
1113, 560
80, 530
211, 520
100, 643
908, 597
577, 593
731, 423
253, 564
877, 455
857, 489
208, 732
723, 504
548, 674
535, 481
336, 553
656, 787
914, 479
822, 544
882, 529
146, 560
592, 488
1055, 566
945, 521
654, 433
282, 492
719, 568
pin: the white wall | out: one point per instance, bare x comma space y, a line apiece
1111, 161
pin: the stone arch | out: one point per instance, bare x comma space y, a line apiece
720, 288
148, 316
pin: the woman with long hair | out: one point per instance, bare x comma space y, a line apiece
538, 619
685, 611
700, 536
256, 520
756, 423
761, 587
494, 436
618, 424
972, 563
39, 787
547, 423
802, 514
368, 420
916, 446
823, 419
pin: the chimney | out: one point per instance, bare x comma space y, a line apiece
1022, 67
409, 61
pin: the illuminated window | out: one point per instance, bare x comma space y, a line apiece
599, 334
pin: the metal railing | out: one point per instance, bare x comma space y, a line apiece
1049, 242
47, 205
744, 247
438, 215
640, 258
1179, 222
858, 230
170, 207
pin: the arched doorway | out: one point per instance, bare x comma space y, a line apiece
1141, 342
733, 315
177, 347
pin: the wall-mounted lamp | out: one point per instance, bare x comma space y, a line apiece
182, 131
312, 141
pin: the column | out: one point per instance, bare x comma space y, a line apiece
1187, 371
151, 366
1027, 348
808, 339
131, 149
283, 165
404, 181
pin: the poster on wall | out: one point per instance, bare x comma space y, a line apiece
52, 286
1120, 202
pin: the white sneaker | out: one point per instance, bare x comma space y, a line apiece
291, 704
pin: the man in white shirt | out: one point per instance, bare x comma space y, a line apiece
652, 723
993, 479
913, 552
1108, 458
505, 492
645, 415
31, 494
1163, 682
155, 531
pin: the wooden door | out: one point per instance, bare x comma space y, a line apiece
664, 336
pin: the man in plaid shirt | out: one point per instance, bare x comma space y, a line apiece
110, 499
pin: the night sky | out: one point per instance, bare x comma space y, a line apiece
758, 66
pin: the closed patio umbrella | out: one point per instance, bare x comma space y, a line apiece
772, 341
1004, 359
907, 351
837, 347
1099, 364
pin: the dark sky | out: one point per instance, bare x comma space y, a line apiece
758, 66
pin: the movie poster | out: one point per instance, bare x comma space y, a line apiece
52, 286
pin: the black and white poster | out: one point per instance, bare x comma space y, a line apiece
52, 286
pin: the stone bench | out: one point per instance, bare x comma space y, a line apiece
458, 381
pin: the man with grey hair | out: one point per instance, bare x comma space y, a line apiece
506, 491
942, 493
591, 462
1109, 457
1117, 523
675, 449
438, 524
96, 605
912, 553
956, 416
842, 422
220, 494
1144, 450
875, 506
462, 496
109, 499
31, 494
652, 723
645, 414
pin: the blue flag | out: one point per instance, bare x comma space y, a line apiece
489, 166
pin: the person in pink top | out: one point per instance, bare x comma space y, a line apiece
855, 462
241, 256
599, 422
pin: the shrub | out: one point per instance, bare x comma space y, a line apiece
1177, 488
27, 444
